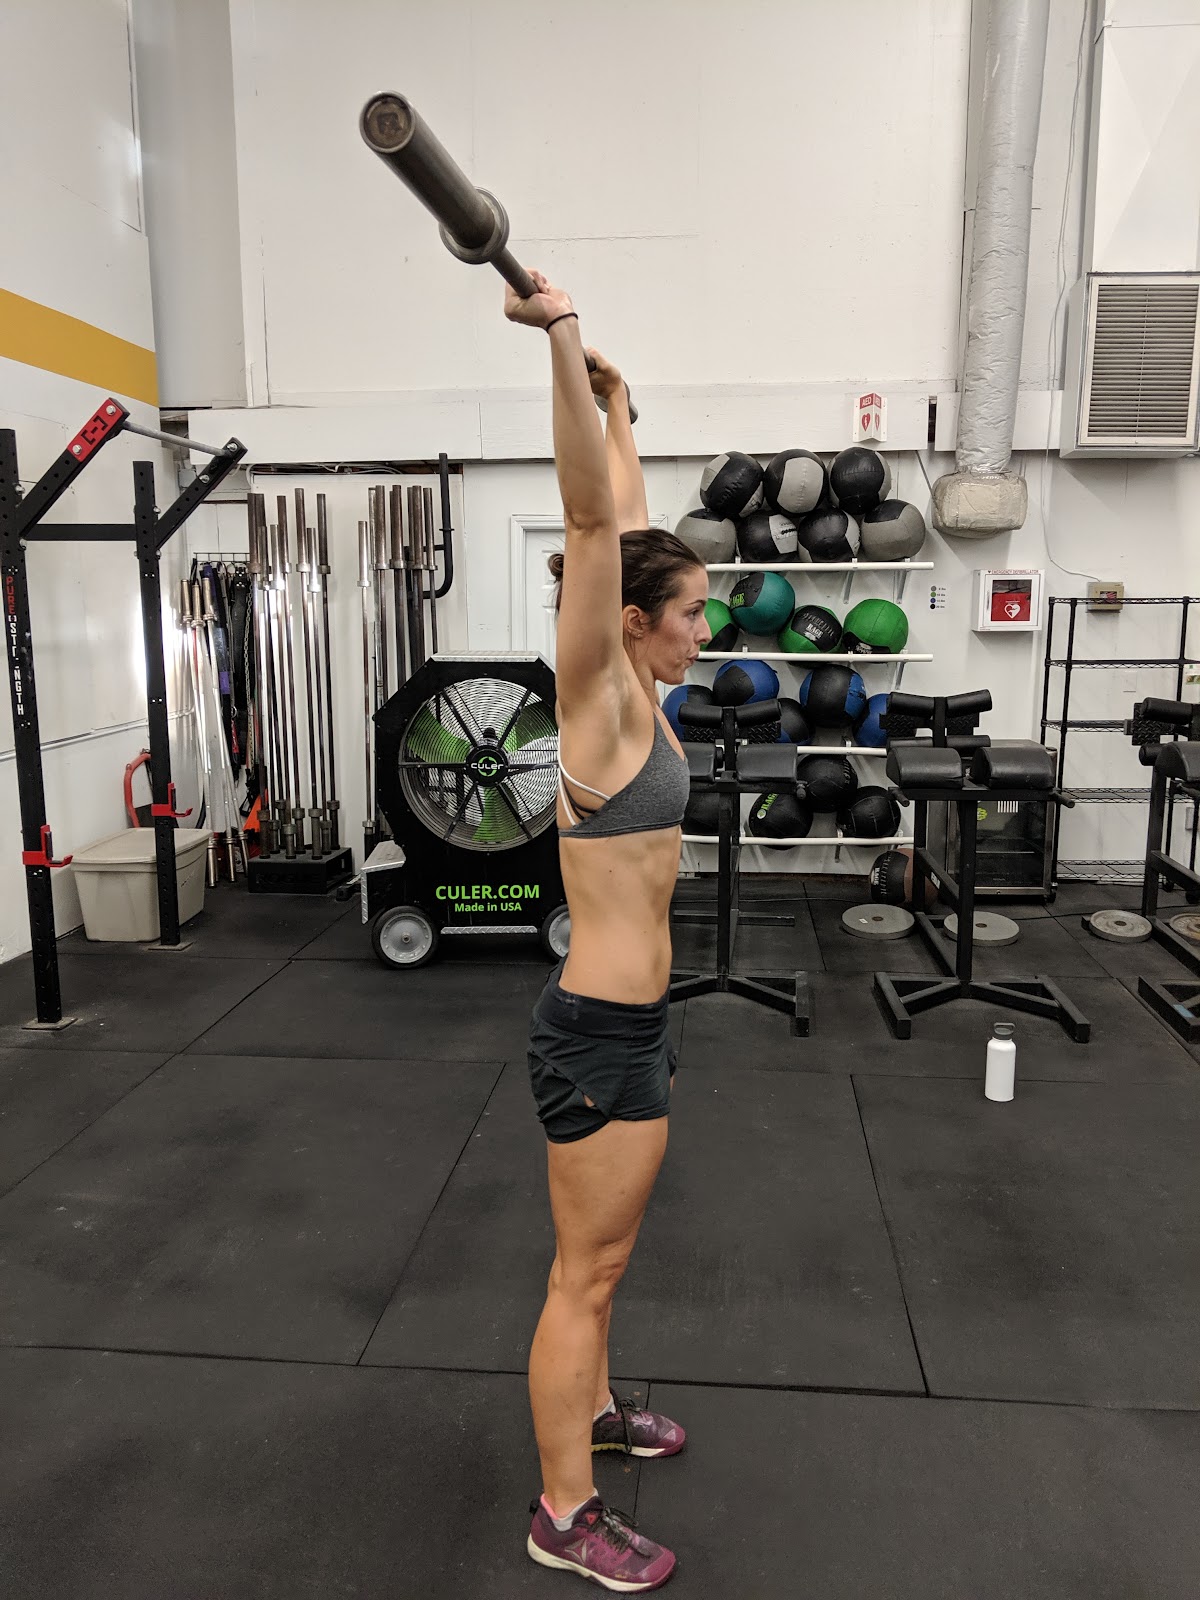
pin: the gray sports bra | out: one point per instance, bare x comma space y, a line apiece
655, 798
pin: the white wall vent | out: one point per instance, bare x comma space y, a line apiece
1133, 365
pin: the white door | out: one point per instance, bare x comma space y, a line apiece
534, 541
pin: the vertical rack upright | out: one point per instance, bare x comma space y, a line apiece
1063, 723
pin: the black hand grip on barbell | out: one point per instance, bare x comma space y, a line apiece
473, 224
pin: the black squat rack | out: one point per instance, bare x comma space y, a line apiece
1063, 723
21, 520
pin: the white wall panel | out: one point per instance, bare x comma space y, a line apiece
67, 101
1144, 212
714, 210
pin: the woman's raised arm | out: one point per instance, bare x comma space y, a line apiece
624, 465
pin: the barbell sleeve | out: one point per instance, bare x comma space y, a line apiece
474, 225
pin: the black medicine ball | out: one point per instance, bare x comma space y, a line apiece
859, 479
731, 484
832, 696
780, 816
795, 482
767, 536
827, 534
796, 728
703, 812
828, 782
888, 878
873, 814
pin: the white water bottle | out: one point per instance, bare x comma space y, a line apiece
1001, 1063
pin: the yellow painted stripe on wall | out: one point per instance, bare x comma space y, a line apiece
42, 337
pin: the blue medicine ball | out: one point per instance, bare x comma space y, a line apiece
697, 694
738, 683
867, 730
833, 696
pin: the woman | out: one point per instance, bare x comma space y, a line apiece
631, 611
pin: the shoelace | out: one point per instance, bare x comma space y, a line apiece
615, 1527
629, 1415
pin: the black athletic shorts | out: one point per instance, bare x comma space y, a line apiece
619, 1056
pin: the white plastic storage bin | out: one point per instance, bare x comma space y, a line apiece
118, 885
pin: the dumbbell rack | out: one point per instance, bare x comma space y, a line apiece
901, 571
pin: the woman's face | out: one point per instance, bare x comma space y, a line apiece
672, 644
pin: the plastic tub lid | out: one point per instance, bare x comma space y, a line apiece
136, 847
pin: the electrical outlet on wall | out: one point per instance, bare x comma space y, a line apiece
1105, 595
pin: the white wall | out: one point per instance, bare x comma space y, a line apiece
76, 243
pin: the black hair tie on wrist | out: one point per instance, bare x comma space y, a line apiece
562, 317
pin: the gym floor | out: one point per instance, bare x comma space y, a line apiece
274, 1237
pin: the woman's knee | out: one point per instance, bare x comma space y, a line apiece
590, 1279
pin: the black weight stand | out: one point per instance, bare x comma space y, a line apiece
934, 775
1176, 775
745, 768
21, 521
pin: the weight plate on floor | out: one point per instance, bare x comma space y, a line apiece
878, 922
1187, 925
990, 928
1122, 927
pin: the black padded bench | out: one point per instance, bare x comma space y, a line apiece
726, 757
1176, 773
937, 772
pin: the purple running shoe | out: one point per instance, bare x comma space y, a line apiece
601, 1544
637, 1433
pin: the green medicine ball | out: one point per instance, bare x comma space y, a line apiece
814, 630
721, 624
875, 628
762, 602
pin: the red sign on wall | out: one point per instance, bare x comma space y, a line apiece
1011, 605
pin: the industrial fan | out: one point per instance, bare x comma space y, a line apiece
466, 758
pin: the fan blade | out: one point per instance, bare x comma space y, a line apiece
498, 824
533, 723
429, 741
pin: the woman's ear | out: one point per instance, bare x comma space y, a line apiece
633, 620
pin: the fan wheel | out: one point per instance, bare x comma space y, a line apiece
556, 933
404, 937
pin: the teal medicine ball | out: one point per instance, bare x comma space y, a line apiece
762, 602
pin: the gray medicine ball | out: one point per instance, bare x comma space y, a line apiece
894, 531
795, 482
732, 485
859, 479
713, 538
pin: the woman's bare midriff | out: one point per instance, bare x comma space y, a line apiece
619, 894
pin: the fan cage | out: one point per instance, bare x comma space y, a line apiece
448, 800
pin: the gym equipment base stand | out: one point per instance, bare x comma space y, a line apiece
748, 769
903, 997
1177, 771
301, 874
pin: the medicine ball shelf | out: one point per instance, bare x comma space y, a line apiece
807, 662
899, 570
